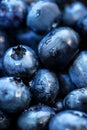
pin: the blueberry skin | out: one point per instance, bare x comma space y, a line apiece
73, 12
29, 38
69, 120
43, 16
58, 48
66, 84
20, 61
29, 2
12, 13
78, 70
82, 25
36, 118
14, 95
4, 121
44, 86
77, 99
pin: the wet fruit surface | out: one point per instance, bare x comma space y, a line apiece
43, 65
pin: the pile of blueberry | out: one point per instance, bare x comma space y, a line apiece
43, 65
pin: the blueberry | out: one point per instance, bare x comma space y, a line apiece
14, 95
58, 48
36, 118
29, 2
78, 70
20, 61
12, 13
66, 84
77, 99
73, 12
43, 16
69, 120
44, 86
4, 121
82, 25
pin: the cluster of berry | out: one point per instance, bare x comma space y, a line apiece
43, 65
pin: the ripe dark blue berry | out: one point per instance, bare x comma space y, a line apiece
58, 48
43, 16
12, 13
44, 86
77, 99
20, 61
69, 120
72, 13
14, 95
35, 118
78, 70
